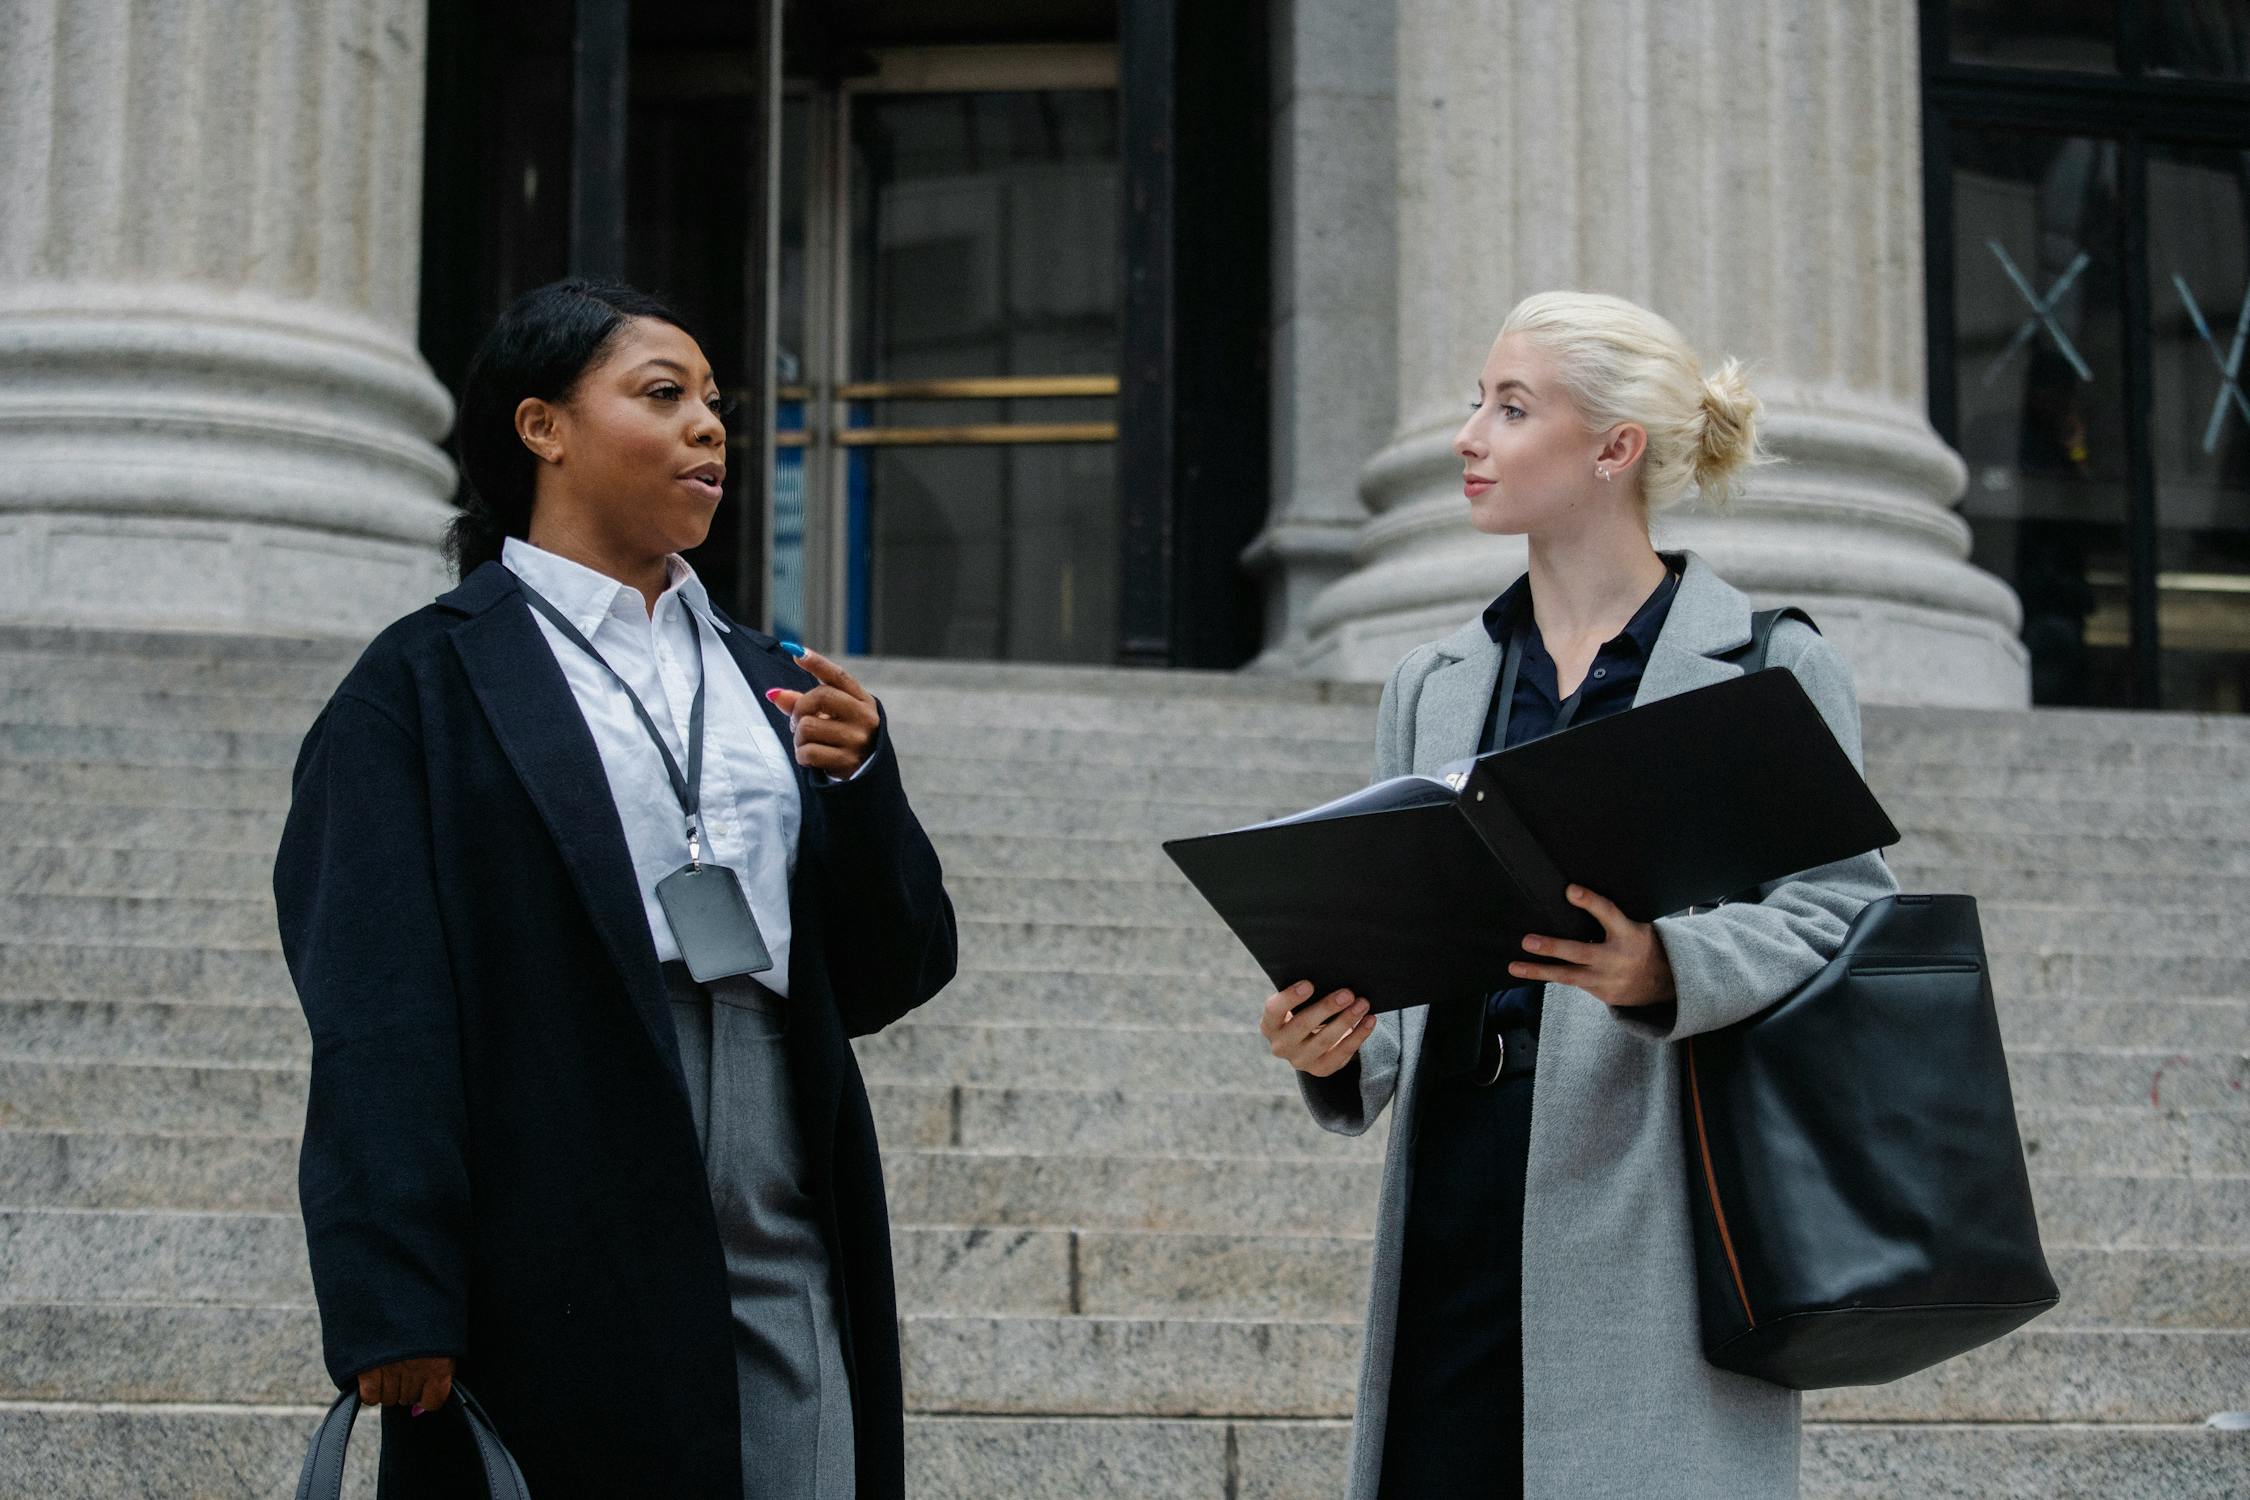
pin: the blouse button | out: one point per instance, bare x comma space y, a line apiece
1601, 671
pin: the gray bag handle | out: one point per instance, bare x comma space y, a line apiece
323, 1475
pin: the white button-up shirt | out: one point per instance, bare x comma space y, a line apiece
750, 807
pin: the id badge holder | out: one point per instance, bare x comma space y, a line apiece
712, 922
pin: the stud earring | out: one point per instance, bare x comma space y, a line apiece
1603, 470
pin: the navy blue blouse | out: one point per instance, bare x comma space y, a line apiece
1607, 688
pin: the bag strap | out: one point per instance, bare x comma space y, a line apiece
1761, 634
1753, 657
323, 1475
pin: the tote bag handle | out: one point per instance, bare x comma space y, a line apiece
323, 1475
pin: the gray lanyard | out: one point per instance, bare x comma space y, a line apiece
688, 787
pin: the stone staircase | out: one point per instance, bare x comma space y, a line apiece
1128, 1263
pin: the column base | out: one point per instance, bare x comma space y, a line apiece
150, 572
173, 457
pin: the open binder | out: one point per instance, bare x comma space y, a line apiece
1421, 888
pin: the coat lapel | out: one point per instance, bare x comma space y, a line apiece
528, 702
1708, 619
1449, 714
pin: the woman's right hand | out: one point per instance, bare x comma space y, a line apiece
1315, 1036
424, 1384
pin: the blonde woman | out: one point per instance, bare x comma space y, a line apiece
1532, 1327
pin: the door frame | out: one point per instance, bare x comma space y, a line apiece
824, 387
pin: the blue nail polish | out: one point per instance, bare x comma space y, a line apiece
792, 648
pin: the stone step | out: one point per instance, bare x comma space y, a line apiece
1301, 1193
105, 934
226, 697
102, 971
100, 790
989, 1265
976, 847
189, 1098
274, 1032
152, 1031
190, 705
2062, 1375
95, 1451
122, 1169
2095, 850
188, 749
1087, 800
66, 1351
1891, 725
1067, 1058
2059, 1461
1237, 1058
1243, 1367
1234, 1060
174, 1257
1309, 1185
121, 870
2072, 887
1015, 929
192, 731
219, 922
251, 830
219, 667
1024, 878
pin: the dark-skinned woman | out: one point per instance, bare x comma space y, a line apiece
585, 887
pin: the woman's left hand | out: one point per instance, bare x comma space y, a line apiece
834, 724
1627, 967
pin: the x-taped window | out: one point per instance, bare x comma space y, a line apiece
2089, 244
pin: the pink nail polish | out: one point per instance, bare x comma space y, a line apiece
416, 1412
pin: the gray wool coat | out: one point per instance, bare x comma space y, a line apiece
1617, 1398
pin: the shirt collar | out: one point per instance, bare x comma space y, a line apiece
587, 597
1642, 630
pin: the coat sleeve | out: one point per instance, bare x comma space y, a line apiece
382, 1176
1349, 1100
890, 939
1733, 961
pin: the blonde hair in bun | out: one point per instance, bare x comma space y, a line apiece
1622, 363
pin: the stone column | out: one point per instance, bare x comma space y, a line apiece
1335, 296
1751, 169
212, 412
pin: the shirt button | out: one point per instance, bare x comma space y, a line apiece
1601, 671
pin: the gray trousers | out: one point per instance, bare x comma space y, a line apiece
797, 1441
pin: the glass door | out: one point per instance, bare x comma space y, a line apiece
945, 443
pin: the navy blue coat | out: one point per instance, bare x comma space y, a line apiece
499, 1161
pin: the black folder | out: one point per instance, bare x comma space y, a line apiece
1421, 888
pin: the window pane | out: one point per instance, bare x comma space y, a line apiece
2074, 35
2040, 411
2199, 38
984, 243
993, 553
2199, 299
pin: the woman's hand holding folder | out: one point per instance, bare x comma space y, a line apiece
1628, 967
1315, 1036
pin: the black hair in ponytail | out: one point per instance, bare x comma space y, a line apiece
542, 345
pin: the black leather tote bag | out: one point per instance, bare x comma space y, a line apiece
1856, 1180
323, 1474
